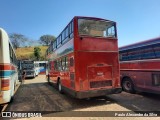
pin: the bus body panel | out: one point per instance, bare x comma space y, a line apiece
5, 97
96, 68
141, 63
4, 41
56, 56
40, 67
142, 73
8, 68
64, 76
96, 44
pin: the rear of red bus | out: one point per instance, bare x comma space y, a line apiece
95, 58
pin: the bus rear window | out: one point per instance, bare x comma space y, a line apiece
96, 28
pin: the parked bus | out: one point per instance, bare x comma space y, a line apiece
8, 68
41, 66
83, 61
29, 67
140, 66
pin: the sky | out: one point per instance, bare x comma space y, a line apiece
137, 20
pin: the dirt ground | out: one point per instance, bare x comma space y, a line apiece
37, 95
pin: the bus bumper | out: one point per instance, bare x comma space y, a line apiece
28, 76
96, 93
92, 93
5, 97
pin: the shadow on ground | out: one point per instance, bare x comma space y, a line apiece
43, 97
138, 102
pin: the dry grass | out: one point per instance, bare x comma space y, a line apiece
26, 52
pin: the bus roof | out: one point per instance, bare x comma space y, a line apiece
2, 31
85, 17
140, 44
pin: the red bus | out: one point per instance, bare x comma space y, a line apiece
140, 66
83, 61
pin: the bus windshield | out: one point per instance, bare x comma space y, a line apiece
96, 28
28, 66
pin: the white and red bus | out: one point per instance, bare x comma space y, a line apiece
83, 61
140, 66
8, 68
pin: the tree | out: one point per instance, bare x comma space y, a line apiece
17, 40
47, 39
32, 57
37, 52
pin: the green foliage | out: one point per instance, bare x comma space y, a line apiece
32, 57
47, 39
17, 40
37, 52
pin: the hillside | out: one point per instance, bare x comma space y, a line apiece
27, 52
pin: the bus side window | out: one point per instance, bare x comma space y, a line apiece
110, 32
67, 32
156, 79
11, 53
71, 62
59, 65
63, 64
120, 57
63, 36
66, 64
54, 45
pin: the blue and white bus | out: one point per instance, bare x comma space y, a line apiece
41, 66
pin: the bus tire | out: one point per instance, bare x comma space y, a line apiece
11, 100
34, 75
12, 96
60, 87
127, 85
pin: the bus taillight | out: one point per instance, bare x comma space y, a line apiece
5, 84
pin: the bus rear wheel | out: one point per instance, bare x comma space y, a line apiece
34, 75
127, 85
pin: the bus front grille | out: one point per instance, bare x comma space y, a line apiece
99, 84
